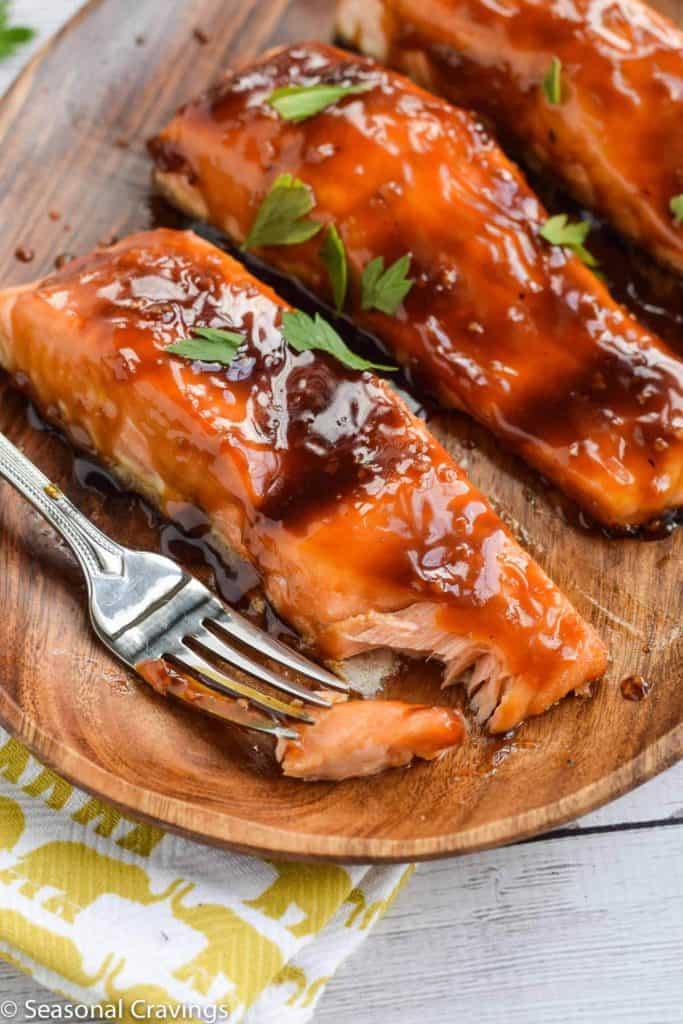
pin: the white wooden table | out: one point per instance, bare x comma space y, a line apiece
581, 927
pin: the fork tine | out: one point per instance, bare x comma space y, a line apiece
218, 681
237, 626
214, 704
221, 649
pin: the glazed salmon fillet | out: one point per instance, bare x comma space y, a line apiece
612, 130
497, 322
364, 531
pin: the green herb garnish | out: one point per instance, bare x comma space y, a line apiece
11, 36
559, 231
305, 333
281, 218
209, 345
299, 102
383, 289
676, 207
552, 83
333, 255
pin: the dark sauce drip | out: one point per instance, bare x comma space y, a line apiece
635, 688
62, 259
656, 529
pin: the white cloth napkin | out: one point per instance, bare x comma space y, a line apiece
151, 926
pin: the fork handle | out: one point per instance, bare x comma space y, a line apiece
95, 552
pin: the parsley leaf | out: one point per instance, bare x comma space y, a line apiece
209, 345
559, 231
333, 255
552, 83
302, 332
383, 289
305, 333
281, 218
299, 102
676, 207
11, 37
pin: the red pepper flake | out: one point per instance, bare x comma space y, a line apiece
63, 259
121, 143
201, 36
635, 688
23, 254
54, 215
108, 240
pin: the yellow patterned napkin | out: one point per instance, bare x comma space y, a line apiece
149, 926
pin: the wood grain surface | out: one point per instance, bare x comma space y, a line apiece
72, 138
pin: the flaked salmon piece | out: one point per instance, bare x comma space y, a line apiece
498, 322
365, 532
357, 738
612, 130
352, 739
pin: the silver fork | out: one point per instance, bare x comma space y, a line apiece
144, 608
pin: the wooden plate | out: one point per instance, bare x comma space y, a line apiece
73, 171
